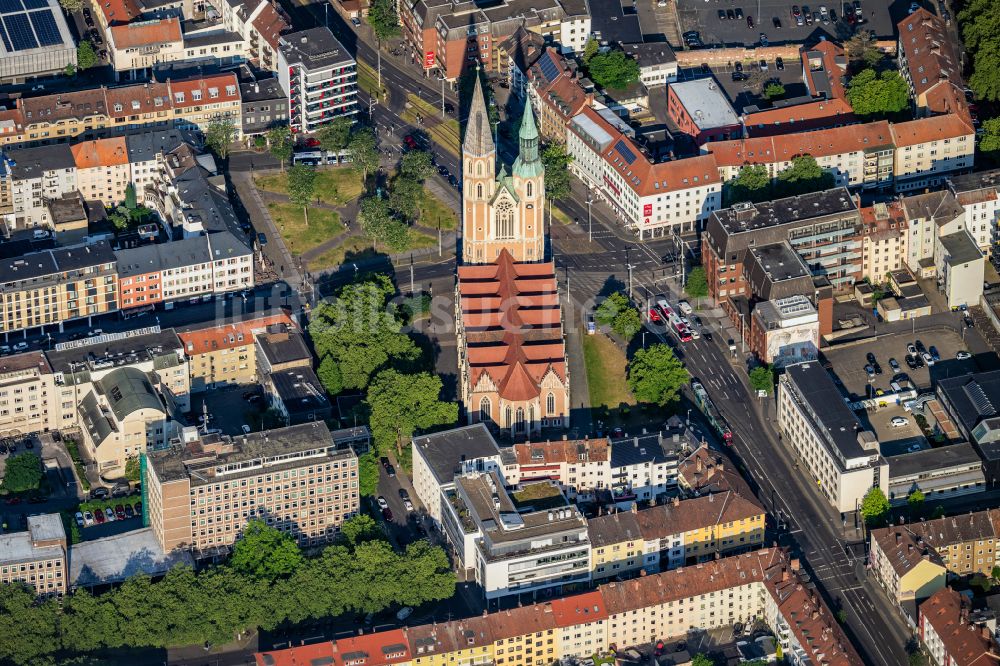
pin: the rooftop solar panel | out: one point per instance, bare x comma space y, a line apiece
10, 6
6, 40
45, 28
625, 151
549, 69
35, 4
22, 37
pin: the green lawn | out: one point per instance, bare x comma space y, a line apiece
605, 372
559, 216
359, 247
433, 212
323, 225
334, 185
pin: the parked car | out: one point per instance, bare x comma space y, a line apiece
894, 364
739, 12
870, 371
910, 349
870, 357
120, 512
685, 307
109, 513
138, 509
740, 76
404, 613
88, 518
382, 504
899, 421
355, 21
100, 492
79, 519
777, 23
387, 514
963, 355
763, 39
928, 359
730, 15
934, 353
99, 517
408, 505
919, 346
763, 65
878, 368
779, 64
722, 14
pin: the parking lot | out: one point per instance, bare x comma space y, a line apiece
703, 15
894, 440
849, 361
228, 410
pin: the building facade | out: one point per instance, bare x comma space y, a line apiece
319, 77
36, 557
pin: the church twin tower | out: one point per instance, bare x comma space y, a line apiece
504, 210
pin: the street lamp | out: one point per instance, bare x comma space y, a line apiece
590, 218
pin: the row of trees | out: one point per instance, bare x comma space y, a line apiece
358, 337
981, 37
753, 183
267, 583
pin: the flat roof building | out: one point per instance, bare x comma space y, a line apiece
36, 557
701, 110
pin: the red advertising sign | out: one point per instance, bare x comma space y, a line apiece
614, 188
648, 220
428, 59
647, 210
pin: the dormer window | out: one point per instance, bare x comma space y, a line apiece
118, 108
196, 95
135, 105
179, 97
230, 91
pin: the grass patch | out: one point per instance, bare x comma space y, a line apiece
539, 496
360, 247
424, 114
74, 452
560, 216
298, 236
605, 372
335, 186
433, 212
368, 79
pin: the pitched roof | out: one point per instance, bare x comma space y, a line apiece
146, 33
932, 128
696, 513
100, 153
705, 471
125, 101
478, 135
562, 451
929, 51
904, 549
512, 323
79, 104
963, 641
270, 24
213, 89
818, 114
117, 12
579, 609
201, 340
819, 143
613, 528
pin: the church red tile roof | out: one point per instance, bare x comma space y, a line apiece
513, 325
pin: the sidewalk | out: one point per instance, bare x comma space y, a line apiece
257, 210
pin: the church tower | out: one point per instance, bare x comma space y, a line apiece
529, 185
478, 181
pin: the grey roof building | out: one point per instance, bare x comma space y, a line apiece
29, 163
265, 105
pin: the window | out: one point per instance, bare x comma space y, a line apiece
550, 404
519, 423
484, 410
479, 191
504, 222
529, 189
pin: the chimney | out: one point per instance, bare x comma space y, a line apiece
677, 501
899, 537
793, 564
697, 465
635, 507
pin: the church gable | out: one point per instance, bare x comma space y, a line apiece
504, 192
485, 383
551, 379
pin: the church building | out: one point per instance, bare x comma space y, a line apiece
513, 374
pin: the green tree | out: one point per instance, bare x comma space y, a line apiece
302, 187
873, 94
335, 135
280, 144
916, 500
70, 70
383, 19
995, 573
842, 616
133, 469
29, 626
416, 165
130, 199
981, 36
656, 376
613, 69
863, 52
702, 659
359, 331
219, 136
874, 507
556, 161
402, 404
364, 153
23, 472
989, 142
368, 471
627, 324
329, 375
752, 183
802, 176
71, 6
86, 55
762, 378
697, 284
362, 527
380, 226
773, 91
938, 512
617, 312
264, 552
590, 49
404, 197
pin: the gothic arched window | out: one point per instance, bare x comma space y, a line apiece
484, 410
479, 169
529, 189
510, 424
519, 424
550, 404
479, 191
504, 227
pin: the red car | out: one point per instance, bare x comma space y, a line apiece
387, 514
312, 143
99, 517
654, 316
120, 512
410, 143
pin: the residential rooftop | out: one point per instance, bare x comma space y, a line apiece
314, 49
705, 103
747, 217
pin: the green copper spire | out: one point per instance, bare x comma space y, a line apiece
528, 164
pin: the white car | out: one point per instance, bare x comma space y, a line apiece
88, 518
382, 504
928, 359
79, 519
898, 421
963, 355
408, 504
20, 346
685, 307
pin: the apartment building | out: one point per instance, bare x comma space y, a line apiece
259, 23
950, 636
319, 76
556, 93
976, 193
147, 154
202, 491
27, 394
907, 568
104, 111
226, 354
452, 35
701, 110
706, 471
784, 331
929, 63
297, 395
764, 584
37, 556
927, 150
56, 286
515, 56
928, 216
837, 453
135, 48
651, 199
265, 106
580, 467
36, 177
677, 533
280, 347
885, 238
103, 170
960, 269
970, 402
657, 62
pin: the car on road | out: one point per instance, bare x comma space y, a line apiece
355, 21
750, 21
79, 519
685, 307
963, 355
88, 519
382, 503
894, 364
763, 39
763, 65
109, 513
779, 64
654, 316
934, 353
777, 23
722, 14
99, 517
899, 421
410, 142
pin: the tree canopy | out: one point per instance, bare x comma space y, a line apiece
762, 378
989, 142
368, 472
656, 375
874, 506
613, 69
618, 312
863, 52
752, 183
401, 404
86, 56
219, 136
802, 176
773, 90
364, 153
22, 472
417, 165
981, 36
361, 333
335, 135
280, 144
264, 552
383, 19
302, 187
697, 284
381, 226
404, 198
556, 161
873, 94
